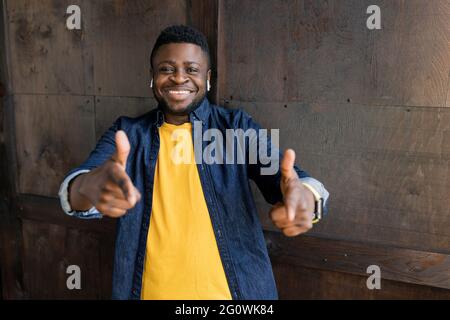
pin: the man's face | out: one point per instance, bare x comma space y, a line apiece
180, 71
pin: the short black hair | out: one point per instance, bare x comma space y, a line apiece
181, 34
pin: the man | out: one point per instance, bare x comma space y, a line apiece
188, 229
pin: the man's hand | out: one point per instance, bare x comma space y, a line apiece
107, 187
294, 216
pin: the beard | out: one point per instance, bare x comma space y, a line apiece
186, 111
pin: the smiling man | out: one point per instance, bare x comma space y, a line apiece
188, 230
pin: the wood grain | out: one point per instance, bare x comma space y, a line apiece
206, 17
108, 109
44, 209
384, 166
321, 51
45, 55
10, 229
398, 264
448, 91
295, 282
124, 34
54, 134
366, 111
51, 249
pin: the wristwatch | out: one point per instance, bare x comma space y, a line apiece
318, 207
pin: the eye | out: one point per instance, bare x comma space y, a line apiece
192, 70
165, 69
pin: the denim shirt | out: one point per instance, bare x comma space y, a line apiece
227, 193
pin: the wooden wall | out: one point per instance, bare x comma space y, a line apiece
368, 114
65, 89
366, 111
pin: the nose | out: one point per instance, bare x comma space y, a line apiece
179, 77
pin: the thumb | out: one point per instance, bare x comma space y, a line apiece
287, 165
122, 148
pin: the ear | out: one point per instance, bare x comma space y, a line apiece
208, 75
151, 78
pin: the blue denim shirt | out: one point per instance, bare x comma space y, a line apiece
228, 197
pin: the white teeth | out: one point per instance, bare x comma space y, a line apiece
178, 92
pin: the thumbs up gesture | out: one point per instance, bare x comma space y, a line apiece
295, 214
107, 187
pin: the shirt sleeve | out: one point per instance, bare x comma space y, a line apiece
104, 149
320, 189
92, 213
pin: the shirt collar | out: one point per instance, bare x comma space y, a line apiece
201, 113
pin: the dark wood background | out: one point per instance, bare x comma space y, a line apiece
366, 111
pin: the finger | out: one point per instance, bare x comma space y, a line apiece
278, 212
286, 223
290, 202
123, 181
279, 215
302, 205
114, 190
287, 165
294, 231
111, 212
307, 224
137, 195
122, 148
113, 202
303, 214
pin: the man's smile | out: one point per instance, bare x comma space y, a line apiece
178, 94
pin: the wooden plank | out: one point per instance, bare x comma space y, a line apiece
351, 128
389, 191
11, 281
205, 16
124, 33
54, 134
4, 182
295, 282
255, 55
106, 262
221, 54
384, 200
48, 251
384, 166
49, 210
46, 56
398, 264
321, 51
448, 91
10, 177
337, 226
402, 64
108, 109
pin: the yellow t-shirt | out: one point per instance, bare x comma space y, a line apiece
182, 258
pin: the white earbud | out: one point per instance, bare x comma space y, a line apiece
208, 85
151, 84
